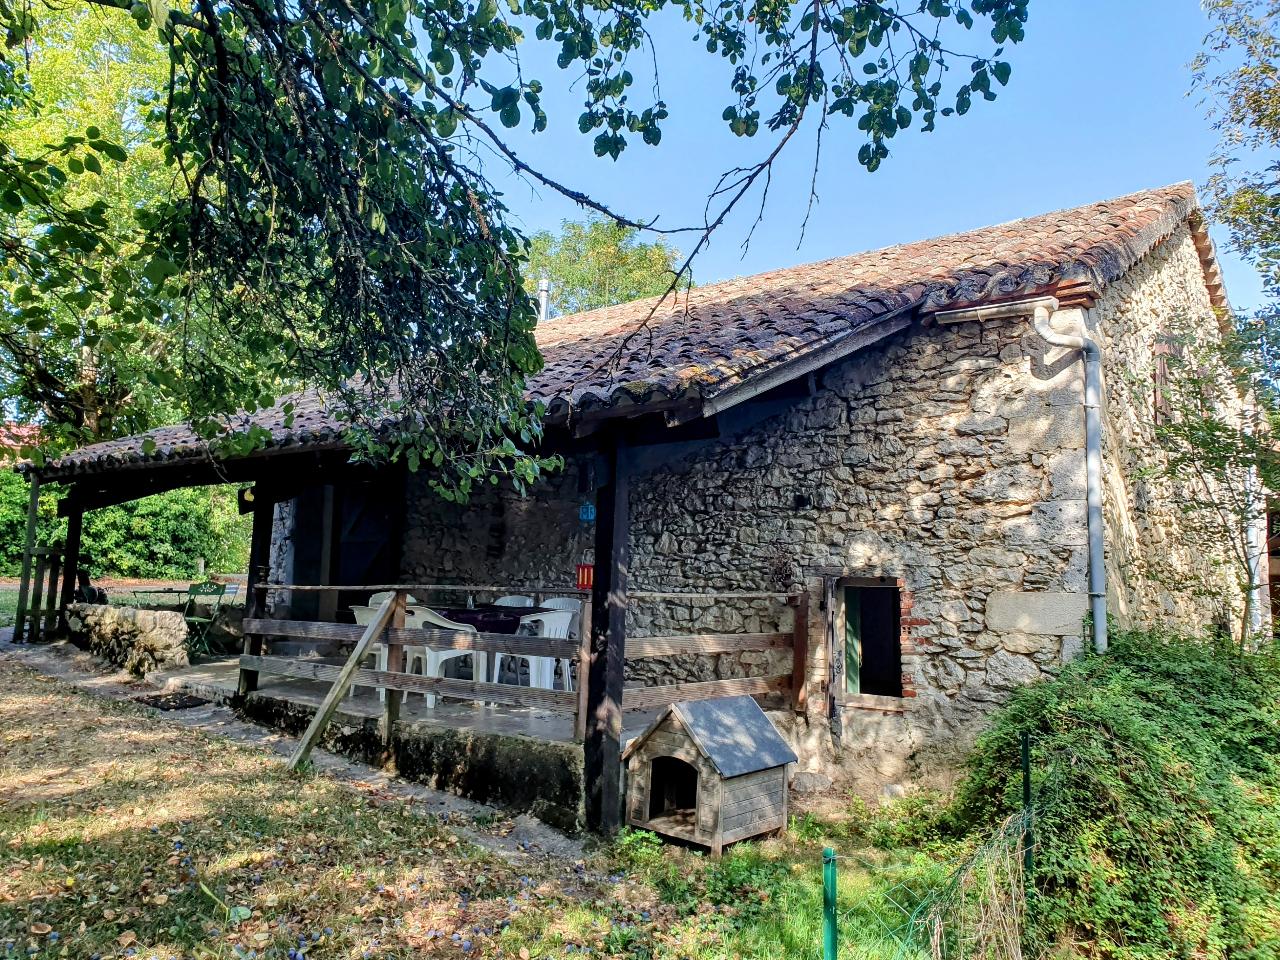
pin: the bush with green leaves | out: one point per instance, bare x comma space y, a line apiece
156, 537
1157, 801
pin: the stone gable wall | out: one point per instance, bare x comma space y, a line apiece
1164, 566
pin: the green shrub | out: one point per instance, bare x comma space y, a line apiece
1157, 801
158, 537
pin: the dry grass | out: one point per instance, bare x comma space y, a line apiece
124, 835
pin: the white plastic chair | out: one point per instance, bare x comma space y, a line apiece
424, 618
514, 600
554, 625
426, 660
566, 603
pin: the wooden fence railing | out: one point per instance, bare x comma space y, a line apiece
34, 619
791, 680
391, 633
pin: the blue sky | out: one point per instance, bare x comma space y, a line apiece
1098, 106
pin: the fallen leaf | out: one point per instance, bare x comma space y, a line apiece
524, 953
160, 899
127, 938
40, 929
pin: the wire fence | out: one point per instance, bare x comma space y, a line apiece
977, 913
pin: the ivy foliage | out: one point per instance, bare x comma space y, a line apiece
158, 537
333, 216
1157, 800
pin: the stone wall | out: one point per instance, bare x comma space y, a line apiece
948, 458
1164, 565
499, 537
140, 641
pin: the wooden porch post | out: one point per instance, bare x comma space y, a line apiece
602, 760
24, 588
392, 698
70, 564
256, 592
329, 520
800, 653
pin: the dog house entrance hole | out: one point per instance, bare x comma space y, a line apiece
673, 791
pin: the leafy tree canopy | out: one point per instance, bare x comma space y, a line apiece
1239, 73
330, 210
597, 264
92, 72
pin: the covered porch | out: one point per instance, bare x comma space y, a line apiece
330, 536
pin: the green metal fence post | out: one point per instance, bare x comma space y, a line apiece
829, 936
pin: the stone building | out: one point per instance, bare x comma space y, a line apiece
889, 431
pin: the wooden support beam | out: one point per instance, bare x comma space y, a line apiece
343, 682
24, 586
584, 671
49, 618
602, 749
37, 596
329, 518
800, 653
256, 590
70, 566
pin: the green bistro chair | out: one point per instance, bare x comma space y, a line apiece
198, 627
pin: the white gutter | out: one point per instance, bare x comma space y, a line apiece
1042, 310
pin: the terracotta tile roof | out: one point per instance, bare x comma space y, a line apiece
726, 334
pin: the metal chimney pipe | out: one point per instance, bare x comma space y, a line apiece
544, 298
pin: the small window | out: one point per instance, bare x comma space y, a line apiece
873, 640
1165, 347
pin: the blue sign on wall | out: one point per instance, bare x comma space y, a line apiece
587, 513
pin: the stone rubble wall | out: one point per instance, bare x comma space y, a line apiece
1164, 565
948, 457
140, 641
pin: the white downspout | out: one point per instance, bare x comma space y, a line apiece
1092, 356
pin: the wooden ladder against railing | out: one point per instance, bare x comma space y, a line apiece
342, 683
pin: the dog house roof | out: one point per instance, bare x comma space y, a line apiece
732, 732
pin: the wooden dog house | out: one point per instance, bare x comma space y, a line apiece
709, 772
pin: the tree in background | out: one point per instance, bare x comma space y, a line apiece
1239, 75
67, 360
155, 537
331, 211
597, 264
1212, 408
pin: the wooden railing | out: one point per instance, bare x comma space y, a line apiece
34, 620
391, 633
395, 636
791, 681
